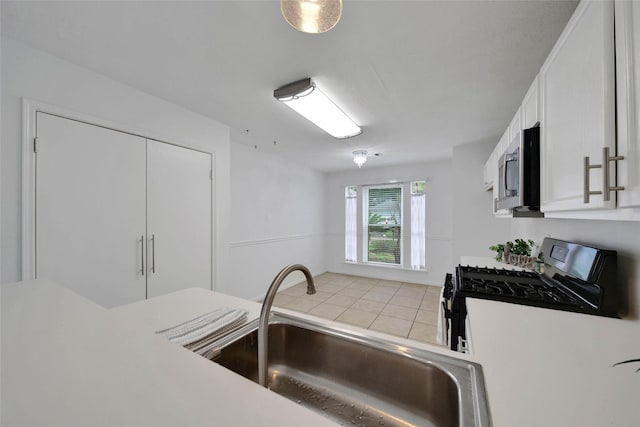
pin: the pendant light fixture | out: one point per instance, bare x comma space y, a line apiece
306, 99
311, 16
359, 157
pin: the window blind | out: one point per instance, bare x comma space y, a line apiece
384, 224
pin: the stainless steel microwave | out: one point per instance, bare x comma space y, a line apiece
519, 174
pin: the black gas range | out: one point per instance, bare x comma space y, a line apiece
576, 278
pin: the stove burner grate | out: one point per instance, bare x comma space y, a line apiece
511, 285
498, 271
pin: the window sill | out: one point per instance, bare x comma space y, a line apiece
388, 266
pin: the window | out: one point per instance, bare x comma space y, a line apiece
351, 224
391, 224
383, 223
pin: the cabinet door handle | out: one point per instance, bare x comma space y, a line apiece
587, 169
142, 255
606, 184
153, 253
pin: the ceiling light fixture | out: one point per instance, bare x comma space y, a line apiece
359, 157
311, 16
305, 98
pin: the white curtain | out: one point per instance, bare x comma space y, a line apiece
418, 237
351, 229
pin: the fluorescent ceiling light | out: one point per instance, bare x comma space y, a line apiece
305, 98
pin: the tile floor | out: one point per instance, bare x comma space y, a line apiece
406, 310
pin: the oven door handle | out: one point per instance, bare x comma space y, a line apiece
445, 320
445, 310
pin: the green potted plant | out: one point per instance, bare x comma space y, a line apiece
499, 249
520, 247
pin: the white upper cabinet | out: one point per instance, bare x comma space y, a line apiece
503, 143
585, 99
525, 117
487, 173
627, 15
577, 84
512, 132
530, 106
515, 128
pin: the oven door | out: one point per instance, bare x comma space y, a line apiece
444, 316
453, 322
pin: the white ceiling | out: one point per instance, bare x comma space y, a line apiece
419, 76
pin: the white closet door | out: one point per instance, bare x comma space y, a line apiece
179, 218
90, 209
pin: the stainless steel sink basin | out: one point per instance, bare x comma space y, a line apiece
355, 379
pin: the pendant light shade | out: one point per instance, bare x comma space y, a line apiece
311, 16
359, 157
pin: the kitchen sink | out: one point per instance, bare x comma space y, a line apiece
359, 380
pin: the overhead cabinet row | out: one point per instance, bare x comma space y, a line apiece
527, 116
585, 99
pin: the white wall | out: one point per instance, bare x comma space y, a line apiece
439, 219
277, 219
475, 226
33, 74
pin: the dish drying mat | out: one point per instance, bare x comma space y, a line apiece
205, 329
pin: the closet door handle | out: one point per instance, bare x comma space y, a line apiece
153, 253
142, 255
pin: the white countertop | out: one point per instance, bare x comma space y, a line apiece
551, 368
168, 310
69, 362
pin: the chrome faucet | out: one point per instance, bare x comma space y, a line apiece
263, 327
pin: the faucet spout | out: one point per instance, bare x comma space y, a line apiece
263, 326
